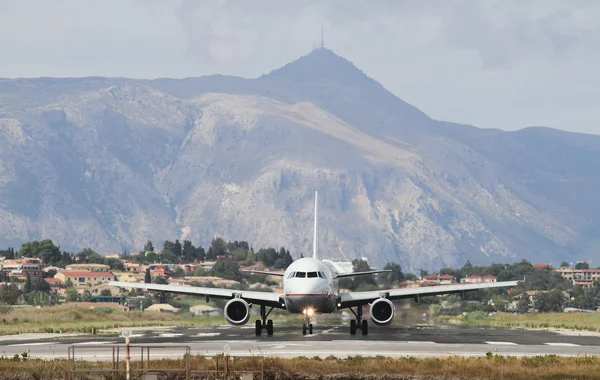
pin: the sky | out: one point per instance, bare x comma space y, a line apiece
505, 64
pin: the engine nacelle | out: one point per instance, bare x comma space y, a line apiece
382, 312
237, 311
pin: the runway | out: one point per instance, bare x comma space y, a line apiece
416, 341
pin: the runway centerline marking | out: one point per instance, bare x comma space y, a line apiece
503, 343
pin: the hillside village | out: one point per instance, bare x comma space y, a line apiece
37, 277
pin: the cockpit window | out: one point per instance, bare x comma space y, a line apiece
312, 274
292, 274
300, 274
321, 274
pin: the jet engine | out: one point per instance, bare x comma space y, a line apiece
237, 311
382, 312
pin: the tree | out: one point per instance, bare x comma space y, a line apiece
9, 294
218, 247
189, 251
582, 265
105, 293
549, 301
51, 273
177, 249
44, 250
148, 247
161, 280
395, 276
523, 304
27, 288
38, 284
250, 257
89, 256
227, 269
71, 295
147, 276
564, 265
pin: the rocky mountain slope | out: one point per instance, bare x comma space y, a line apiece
111, 162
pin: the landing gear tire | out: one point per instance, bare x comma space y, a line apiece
263, 323
358, 323
353, 327
258, 327
310, 329
303, 329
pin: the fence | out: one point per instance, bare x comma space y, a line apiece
145, 362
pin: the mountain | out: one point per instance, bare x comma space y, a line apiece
108, 163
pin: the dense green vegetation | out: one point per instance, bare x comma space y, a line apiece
550, 291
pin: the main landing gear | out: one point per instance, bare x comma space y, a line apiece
358, 323
263, 323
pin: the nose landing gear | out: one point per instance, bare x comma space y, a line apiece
307, 325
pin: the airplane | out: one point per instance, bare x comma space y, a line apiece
310, 287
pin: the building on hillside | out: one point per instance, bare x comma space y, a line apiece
133, 267
444, 279
409, 284
160, 270
22, 267
207, 265
83, 278
581, 277
56, 269
475, 279
113, 256
55, 284
88, 267
542, 266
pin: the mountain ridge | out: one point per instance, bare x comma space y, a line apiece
112, 162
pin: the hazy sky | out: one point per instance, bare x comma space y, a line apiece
491, 63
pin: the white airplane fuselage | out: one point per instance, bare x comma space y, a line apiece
309, 286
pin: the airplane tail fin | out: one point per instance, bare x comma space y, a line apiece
315, 237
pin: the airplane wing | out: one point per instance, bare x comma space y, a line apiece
259, 298
280, 274
352, 274
361, 298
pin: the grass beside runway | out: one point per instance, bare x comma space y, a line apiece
490, 367
70, 318
574, 321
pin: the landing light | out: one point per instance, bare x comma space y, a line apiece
309, 312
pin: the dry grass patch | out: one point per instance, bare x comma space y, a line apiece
491, 367
575, 321
73, 318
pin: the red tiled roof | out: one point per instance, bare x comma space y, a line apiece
447, 276
489, 276
473, 276
542, 266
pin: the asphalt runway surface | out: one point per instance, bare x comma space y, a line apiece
394, 341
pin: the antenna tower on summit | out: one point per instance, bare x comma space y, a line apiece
322, 38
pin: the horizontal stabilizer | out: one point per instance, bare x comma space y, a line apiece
280, 274
342, 275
